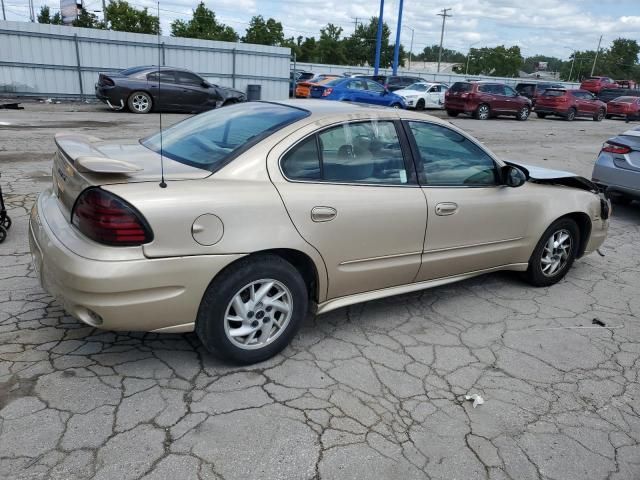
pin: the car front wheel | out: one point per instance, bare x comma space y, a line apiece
252, 310
554, 254
482, 112
140, 102
599, 115
523, 113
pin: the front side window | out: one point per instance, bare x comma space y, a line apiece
509, 91
212, 139
448, 158
362, 152
187, 78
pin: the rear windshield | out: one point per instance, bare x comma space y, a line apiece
130, 71
460, 87
212, 139
554, 93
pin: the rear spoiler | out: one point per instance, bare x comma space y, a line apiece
81, 151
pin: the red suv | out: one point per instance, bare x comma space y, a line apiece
570, 104
485, 99
595, 84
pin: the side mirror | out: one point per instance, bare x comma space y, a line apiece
514, 177
205, 84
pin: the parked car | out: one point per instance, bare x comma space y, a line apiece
626, 107
484, 100
359, 90
393, 82
617, 169
423, 95
303, 88
570, 104
631, 84
296, 76
275, 209
608, 94
532, 90
149, 88
595, 84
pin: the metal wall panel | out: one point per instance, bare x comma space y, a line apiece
50, 60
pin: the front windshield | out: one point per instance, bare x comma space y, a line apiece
419, 87
212, 139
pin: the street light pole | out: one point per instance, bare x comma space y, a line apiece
444, 16
411, 48
376, 64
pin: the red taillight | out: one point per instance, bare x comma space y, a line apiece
327, 92
613, 148
108, 219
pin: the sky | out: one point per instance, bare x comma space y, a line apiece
549, 27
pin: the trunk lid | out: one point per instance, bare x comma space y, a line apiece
83, 161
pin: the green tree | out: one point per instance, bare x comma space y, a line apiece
123, 17
308, 50
621, 59
45, 16
261, 32
499, 61
203, 25
87, 20
430, 54
330, 48
362, 45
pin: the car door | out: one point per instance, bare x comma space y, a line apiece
502, 102
193, 92
435, 96
164, 89
350, 190
356, 91
377, 94
473, 222
512, 104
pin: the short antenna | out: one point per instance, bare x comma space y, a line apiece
162, 182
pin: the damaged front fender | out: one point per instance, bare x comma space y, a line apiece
555, 177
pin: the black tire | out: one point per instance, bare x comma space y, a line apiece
608, 117
420, 105
396, 105
210, 323
140, 102
541, 115
452, 113
3, 234
534, 274
571, 115
483, 112
619, 198
6, 223
599, 115
523, 113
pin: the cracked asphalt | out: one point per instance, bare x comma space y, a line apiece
374, 391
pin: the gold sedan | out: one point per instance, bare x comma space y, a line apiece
269, 211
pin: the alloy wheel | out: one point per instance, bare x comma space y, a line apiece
556, 253
524, 113
483, 112
140, 103
258, 314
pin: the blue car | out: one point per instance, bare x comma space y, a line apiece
357, 90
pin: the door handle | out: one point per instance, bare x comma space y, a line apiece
323, 214
446, 208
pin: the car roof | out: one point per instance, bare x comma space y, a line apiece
328, 108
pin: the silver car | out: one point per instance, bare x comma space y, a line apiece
617, 169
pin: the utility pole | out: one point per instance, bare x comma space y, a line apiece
411, 48
104, 13
595, 59
572, 64
376, 65
4, 15
355, 22
444, 15
396, 50
32, 14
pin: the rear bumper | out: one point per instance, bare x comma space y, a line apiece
612, 178
550, 110
139, 294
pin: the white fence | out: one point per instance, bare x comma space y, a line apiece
447, 78
60, 61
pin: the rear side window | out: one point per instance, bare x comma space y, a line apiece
361, 152
165, 76
450, 159
554, 93
460, 87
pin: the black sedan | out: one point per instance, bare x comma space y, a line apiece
142, 89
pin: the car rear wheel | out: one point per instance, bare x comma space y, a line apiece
541, 115
523, 113
571, 115
140, 102
599, 115
452, 113
420, 105
483, 112
554, 254
252, 310
396, 105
